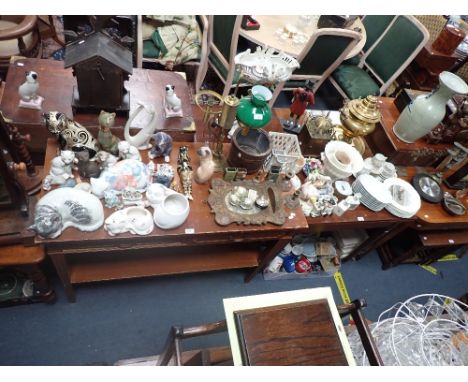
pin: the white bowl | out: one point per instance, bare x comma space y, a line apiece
172, 212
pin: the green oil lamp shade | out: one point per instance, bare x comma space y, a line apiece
254, 111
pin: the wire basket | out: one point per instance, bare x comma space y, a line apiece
285, 151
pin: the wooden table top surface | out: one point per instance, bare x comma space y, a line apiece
269, 24
56, 86
200, 218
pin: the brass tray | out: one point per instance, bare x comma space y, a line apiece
225, 213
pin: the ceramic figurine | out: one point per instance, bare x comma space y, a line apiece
126, 173
136, 220
206, 168
127, 151
106, 139
162, 146
172, 103
156, 193
131, 196
112, 199
87, 168
185, 171
302, 97
105, 159
67, 207
164, 174
172, 211
60, 169
141, 139
70, 134
84, 186
27, 91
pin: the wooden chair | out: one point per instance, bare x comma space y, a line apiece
395, 48
19, 36
173, 354
223, 40
324, 52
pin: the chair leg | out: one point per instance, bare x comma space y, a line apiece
338, 87
276, 93
201, 74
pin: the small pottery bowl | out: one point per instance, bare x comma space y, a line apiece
172, 212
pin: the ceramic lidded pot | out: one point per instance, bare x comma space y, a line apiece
172, 211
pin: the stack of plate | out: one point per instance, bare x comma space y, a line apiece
375, 195
405, 199
341, 160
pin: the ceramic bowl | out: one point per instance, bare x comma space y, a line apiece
172, 212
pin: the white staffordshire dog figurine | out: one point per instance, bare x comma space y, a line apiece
172, 103
28, 92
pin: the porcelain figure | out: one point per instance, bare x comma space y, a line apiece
136, 220
112, 199
105, 159
70, 134
126, 173
164, 174
141, 139
185, 171
156, 193
106, 139
27, 91
172, 211
86, 168
131, 196
67, 207
172, 103
128, 151
60, 169
206, 168
162, 146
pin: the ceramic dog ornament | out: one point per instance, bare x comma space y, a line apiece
172, 103
29, 99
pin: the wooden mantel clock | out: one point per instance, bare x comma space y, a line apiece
101, 66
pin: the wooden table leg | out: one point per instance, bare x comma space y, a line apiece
61, 267
376, 241
266, 256
35, 274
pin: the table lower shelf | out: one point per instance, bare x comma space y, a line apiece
85, 268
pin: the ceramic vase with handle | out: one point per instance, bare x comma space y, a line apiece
427, 111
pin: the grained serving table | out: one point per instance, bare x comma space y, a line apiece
199, 245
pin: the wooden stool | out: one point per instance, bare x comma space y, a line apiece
27, 260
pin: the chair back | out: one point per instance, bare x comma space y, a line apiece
396, 48
326, 49
223, 35
375, 26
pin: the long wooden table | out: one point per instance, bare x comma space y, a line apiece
198, 245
